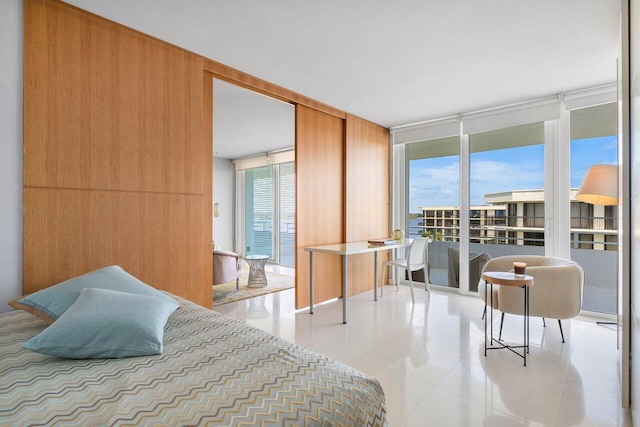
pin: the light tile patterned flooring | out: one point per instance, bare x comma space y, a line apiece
430, 359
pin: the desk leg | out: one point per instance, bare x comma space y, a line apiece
375, 276
310, 282
344, 289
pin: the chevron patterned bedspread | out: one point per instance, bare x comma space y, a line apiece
214, 371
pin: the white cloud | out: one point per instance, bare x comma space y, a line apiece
440, 186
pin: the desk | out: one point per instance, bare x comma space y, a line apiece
346, 249
506, 279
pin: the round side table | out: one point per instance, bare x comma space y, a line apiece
257, 276
506, 279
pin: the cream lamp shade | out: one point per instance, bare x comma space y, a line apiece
599, 186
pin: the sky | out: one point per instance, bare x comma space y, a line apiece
435, 181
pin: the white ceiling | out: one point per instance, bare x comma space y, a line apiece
246, 123
394, 62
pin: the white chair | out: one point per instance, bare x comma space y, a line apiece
415, 260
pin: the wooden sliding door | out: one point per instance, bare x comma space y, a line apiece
117, 165
118, 161
367, 196
319, 201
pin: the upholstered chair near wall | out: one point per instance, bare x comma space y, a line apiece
226, 267
555, 294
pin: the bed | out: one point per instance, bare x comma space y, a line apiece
213, 371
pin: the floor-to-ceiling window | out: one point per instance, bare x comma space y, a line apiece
433, 195
506, 195
594, 228
501, 186
259, 211
287, 214
269, 209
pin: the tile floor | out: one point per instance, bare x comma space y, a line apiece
430, 359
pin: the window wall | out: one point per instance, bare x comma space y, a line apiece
269, 207
433, 194
506, 195
259, 211
505, 183
287, 214
594, 228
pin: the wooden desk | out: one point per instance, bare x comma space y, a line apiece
506, 279
346, 249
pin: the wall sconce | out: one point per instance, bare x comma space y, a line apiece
216, 210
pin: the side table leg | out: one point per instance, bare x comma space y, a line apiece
528, 317
524, 310
485, 319
491, 310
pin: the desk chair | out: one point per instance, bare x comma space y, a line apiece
415, 260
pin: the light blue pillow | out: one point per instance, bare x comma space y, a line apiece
50, 303
106, 324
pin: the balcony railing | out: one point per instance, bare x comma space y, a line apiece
594, 223
528, 232
587, 223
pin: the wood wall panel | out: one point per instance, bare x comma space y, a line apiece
367, 195
99, 98
117, 165
150, 235
117, 137
319, 201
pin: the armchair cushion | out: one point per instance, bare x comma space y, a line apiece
226, 266
556, 292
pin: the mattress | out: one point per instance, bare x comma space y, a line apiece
214, 371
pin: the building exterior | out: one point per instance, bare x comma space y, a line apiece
517, 218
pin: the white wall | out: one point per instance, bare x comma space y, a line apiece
224, 193
11, 47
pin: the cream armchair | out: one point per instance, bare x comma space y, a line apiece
226, 267
555, 294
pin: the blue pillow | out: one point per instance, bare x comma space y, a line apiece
50, 303
106, 324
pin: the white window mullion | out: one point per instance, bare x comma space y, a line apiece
276, 214
400, 188
557, 192
241, 241
562, 194
464, 212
